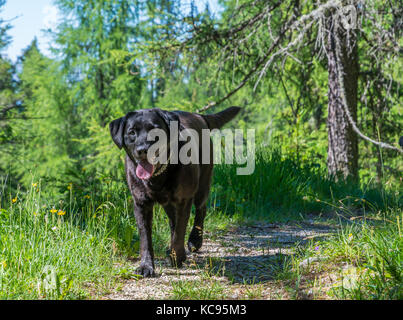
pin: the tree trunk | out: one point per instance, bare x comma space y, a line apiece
342, 140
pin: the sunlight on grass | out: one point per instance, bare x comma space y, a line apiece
77, 244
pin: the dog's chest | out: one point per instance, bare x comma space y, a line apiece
147, 191
161, 195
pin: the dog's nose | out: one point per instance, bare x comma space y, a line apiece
141, 151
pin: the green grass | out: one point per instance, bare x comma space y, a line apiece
365, 257
81, 254
206, 289
369, 219
85, 253
281, 189
374, 249
44, 255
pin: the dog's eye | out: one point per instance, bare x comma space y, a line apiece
132, 132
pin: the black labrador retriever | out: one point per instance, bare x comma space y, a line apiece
174, 186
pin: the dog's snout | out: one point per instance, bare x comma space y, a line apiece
141, 151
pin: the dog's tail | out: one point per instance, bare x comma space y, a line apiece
217, 120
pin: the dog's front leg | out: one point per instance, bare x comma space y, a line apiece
144, 216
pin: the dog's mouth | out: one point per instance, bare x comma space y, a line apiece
144, 170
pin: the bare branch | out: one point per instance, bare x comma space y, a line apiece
340, 72
274, 45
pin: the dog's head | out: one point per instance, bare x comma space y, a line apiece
131, 132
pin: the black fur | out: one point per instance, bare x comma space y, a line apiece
176, 189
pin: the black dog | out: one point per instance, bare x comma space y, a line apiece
175, 186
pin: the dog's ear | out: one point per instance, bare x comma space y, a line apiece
116, 128
167, 116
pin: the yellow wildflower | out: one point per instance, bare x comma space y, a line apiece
34, 185
87, 197
70, 186
61, 213
14, 200
4, 264
53, 210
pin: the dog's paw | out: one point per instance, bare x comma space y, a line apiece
146, 270
195, 240
192, 247
175, 259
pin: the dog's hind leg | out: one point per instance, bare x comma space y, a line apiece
170, 210
177, 252
196, 235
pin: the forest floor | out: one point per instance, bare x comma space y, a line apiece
252, 261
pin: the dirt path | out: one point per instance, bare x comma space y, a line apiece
235, 264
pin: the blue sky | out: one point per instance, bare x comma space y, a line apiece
29, 18
32, 16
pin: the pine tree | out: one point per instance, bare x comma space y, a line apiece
5, 38
97, 43
9, 104
254, 40
46, 146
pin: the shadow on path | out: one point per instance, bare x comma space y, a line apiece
252, 254
256, 254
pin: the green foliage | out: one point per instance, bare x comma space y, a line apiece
101, 86
69, 102
9, 105
114, 56
109, 61
53, 244
281, 188
365, 258
380, 251
208, 289
49, 251
44, 137
5, 39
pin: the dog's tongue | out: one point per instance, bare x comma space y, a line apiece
144, 170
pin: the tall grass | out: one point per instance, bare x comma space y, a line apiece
47, 251
282, 189
375, 249
365, 257
75, 243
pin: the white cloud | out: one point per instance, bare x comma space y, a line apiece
51, 16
